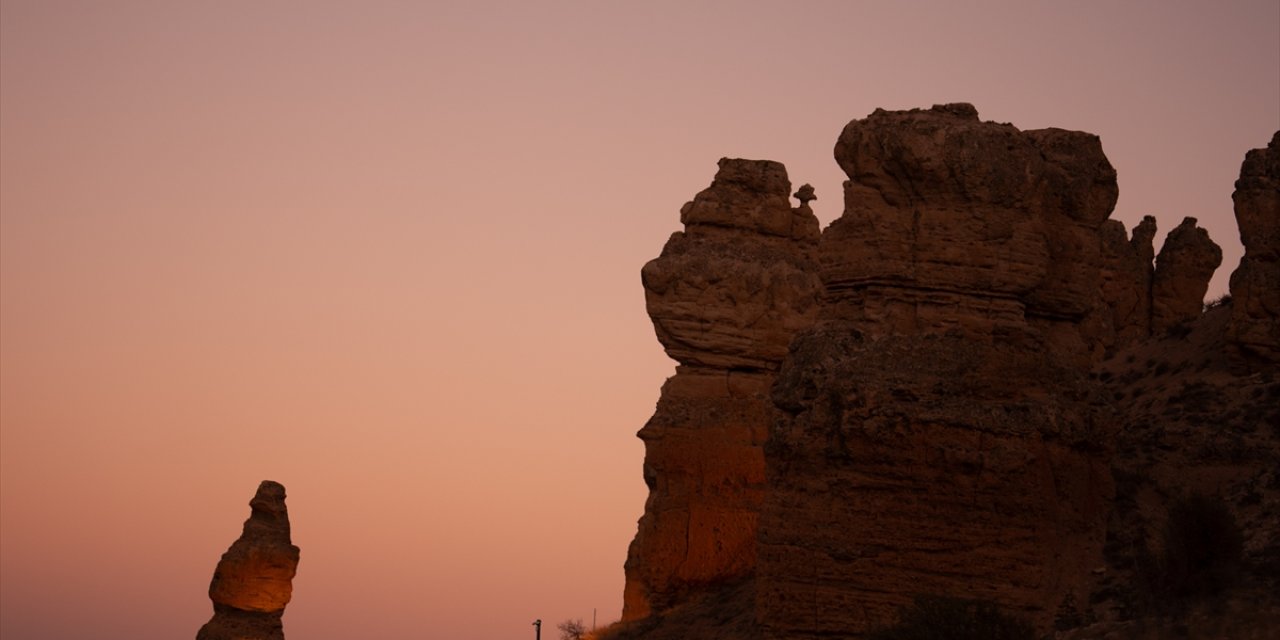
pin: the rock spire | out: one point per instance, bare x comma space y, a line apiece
254, 579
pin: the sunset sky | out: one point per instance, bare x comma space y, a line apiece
388, 254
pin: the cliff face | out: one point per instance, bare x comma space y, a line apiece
254, 579
923, 399
1255, 284
939, 434
726, 296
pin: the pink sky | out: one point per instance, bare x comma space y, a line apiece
388, 254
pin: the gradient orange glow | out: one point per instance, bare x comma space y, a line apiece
387, 254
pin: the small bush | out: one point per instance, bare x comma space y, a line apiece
939, 618
1202, 547
571, 630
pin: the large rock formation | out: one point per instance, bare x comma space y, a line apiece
254, 579
1255, 284
927, 401
940, 434
726, 296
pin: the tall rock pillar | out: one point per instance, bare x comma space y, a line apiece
254, 579
726, 296
1255, 284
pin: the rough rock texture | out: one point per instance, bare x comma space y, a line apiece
254, 579
1190, 423
936, 406
940, 436
1255, 284
725, 296
1183, 269
955, 224
1127, 272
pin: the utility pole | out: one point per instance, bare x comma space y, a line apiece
537, 629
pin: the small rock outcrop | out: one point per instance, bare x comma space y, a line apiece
726, 296
1255, 285
1183, 269
254, 579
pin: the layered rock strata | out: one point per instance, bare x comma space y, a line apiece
908, 404
254, 579
726, 296
939, 433
1255, 285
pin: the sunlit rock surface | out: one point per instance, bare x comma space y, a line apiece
254, 579
725, 296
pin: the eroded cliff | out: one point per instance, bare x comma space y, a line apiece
939, 433
922, 399
725, 296
1255, 284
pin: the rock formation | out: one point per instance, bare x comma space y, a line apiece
1255, 284
924, 399
1183, 269
940, 435
1127, 273
254, 579
726, 296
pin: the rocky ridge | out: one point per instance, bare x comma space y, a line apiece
910, 402
253, 581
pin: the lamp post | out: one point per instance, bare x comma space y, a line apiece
537, 629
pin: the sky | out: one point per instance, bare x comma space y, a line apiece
388, 254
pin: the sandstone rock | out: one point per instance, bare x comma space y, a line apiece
730, 290
725, 296
805, 194
1183, 269
907, 405
930, 465
1127, 272
254, 579
1255, 284
1191, 422
952, 224
940, 435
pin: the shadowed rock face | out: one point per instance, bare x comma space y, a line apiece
953, 224
906, 404
1183, 269
1255, 285
725, 296
1127, 273
254, 579
939, 434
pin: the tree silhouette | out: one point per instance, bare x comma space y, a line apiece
571, 630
